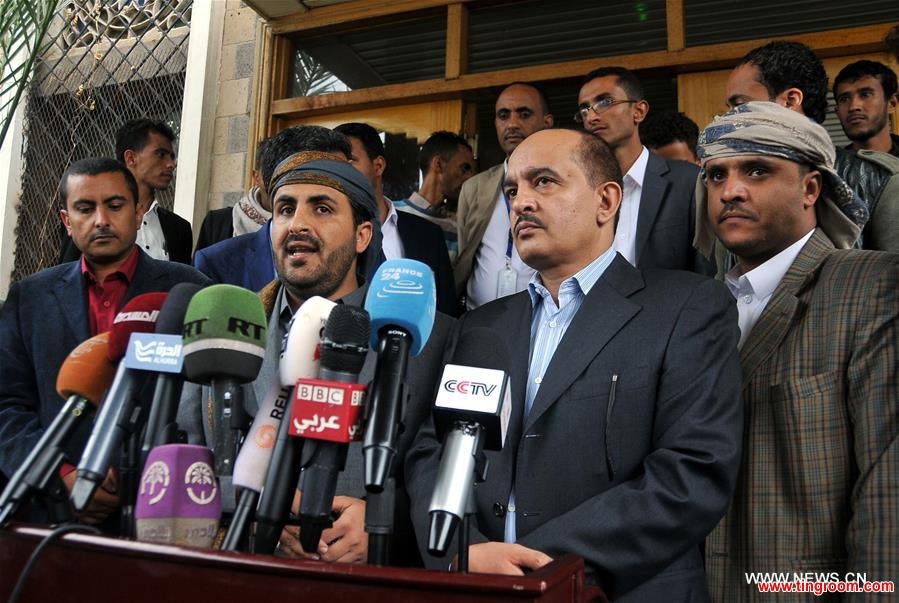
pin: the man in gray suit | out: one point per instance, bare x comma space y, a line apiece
488, 266
623, 439
657, 215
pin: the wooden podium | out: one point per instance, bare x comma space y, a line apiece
81, 567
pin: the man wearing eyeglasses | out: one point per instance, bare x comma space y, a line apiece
657, 215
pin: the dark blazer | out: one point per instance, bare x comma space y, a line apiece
45, 317
633, 481
245, 260
667, 218
175, 230
218, 225
423, 241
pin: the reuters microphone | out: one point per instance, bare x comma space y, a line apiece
224, 345
179, 501
328, 409
402, 303
83, 378
471, 413
117, 417
299, 360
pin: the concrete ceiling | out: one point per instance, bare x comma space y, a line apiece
272, 9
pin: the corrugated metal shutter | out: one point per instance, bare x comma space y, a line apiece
713, 21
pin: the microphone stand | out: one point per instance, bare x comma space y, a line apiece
379, 510
480, 475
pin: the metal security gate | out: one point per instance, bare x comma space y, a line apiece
108, 62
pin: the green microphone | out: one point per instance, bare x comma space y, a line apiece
224, 343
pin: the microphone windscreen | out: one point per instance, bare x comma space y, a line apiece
171, 315
481, 347
137, 316
300, 354
179, 501
224, 334
345, 339
402, 295
87, 371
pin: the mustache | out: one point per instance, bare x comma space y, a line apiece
732, 209
303, 238
102, 232
528, 218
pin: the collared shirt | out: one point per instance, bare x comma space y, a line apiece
753, 290
491, 258
150, 237
419, 206
626, 232
391, 244
104, 300
548, 326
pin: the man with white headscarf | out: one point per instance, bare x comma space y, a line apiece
820, 471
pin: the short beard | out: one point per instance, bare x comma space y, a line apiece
868, 134
326, 279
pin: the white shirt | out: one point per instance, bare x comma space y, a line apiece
753, 290
626, 234
150, 237
490, 259
391, 244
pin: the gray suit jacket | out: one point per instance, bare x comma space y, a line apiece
45, 318
630, 477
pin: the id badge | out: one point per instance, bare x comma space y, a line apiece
506, 281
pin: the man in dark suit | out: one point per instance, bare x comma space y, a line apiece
49, 313
246, 260
145, 148
656, 220
623, 439
404, 235
820, 330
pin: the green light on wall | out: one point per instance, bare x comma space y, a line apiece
642, 12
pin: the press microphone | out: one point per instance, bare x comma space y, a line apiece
117, 417
402, 304
224, 345
299, 359
161, 425
472, 412
328, 409
179, 501
83, 377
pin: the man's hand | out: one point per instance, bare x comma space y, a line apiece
504, 558
105, 500
344, 542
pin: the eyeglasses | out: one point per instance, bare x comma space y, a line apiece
599, 107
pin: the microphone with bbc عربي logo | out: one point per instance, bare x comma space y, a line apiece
116, 418
83, 377
179, 501
471, 413
224, 344
267, 443
328, 410
302, 342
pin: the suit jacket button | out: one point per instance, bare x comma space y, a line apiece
499, 509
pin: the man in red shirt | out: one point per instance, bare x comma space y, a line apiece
49, 313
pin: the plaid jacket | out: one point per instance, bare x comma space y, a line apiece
819, 483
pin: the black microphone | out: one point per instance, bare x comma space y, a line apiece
343, 350
402, 302
83, 377
161, 426
120, 411
472, 410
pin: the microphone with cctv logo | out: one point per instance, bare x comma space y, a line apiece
299, 360
83, 378
328, 409
472, 413
224, 344
118, 416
